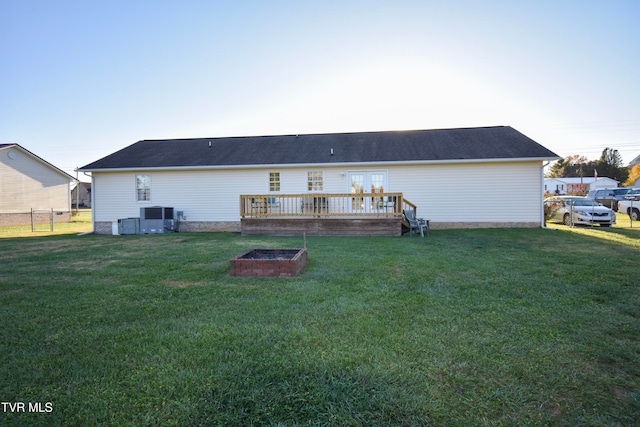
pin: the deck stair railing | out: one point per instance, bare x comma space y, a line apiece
324, 205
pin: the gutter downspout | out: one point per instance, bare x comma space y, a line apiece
542, 222
93, 211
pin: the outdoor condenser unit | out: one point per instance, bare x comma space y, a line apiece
156, 219
129, 226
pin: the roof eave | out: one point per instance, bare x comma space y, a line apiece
317, 165
39, 159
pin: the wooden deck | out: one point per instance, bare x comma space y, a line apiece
362, 214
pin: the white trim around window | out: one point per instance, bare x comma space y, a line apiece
274, 181
143, 188
315, 181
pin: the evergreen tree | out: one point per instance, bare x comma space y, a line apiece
610, 165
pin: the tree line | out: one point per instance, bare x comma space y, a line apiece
608, 165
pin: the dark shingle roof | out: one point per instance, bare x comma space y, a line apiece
487, 143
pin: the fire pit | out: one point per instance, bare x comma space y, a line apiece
269, 262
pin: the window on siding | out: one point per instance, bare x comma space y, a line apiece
143, 188
314, 181
274, 181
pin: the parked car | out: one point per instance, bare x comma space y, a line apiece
610, 196
630, 206
578, 210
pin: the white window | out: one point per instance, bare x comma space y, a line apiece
314, 181
143, 188
274, 181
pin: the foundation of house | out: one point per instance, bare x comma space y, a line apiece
322, 226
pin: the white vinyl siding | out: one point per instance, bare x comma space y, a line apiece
202, 195
480, 192
463, 192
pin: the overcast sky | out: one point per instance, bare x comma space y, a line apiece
82, 79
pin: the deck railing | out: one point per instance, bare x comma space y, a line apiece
324, 205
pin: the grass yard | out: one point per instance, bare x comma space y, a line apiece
80, 223
467, 327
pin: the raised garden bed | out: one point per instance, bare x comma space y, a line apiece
269, 262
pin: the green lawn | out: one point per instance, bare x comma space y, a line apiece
466, 327
80, 223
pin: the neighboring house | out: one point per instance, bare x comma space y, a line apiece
81, 194
578, 186
29, 183
450, 175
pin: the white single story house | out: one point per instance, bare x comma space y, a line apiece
30, 184
449, 176
578, 185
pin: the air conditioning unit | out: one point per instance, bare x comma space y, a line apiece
129, 226
156, 219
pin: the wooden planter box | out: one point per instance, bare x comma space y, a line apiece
269, 263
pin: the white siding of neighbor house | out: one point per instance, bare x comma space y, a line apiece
463, 192
27, 183
563, 185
